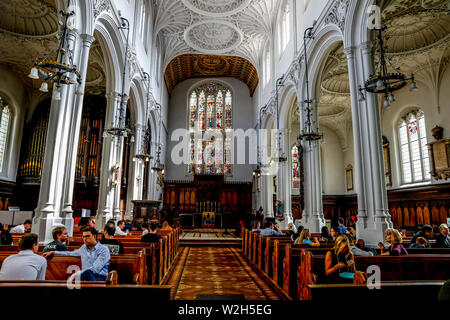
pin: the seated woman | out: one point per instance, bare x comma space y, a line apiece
394, 238
304, 238
291, 229
339, 262
166, 226
325, 235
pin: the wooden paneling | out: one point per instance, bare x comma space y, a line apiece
408, 207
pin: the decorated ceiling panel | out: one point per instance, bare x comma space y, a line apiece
201, 66
222, 27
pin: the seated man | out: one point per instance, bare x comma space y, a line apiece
271, 230
60, 236
114, 245
94, 257
22, 228
341, 226
120, 229
151, 236
443, 238
26, 265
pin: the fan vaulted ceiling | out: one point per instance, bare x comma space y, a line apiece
238, 28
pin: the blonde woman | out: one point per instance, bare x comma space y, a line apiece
394, 238
166, 226
304, 238
339, 262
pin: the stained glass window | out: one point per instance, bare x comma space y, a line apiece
4, 126
210, 113
413, 148
295, 168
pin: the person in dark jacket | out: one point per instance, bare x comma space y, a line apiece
151, 236
443, 238
5, 236
426, 232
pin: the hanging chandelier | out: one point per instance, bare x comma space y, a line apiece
119, 127
308, 133
61, 70
142, 155
384, 82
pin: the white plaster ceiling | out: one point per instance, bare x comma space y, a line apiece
224, 27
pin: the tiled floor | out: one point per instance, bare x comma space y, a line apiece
216, 271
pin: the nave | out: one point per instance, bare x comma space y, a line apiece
215, 273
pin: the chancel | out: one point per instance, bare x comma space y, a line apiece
241, 149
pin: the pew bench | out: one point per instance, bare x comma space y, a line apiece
424, 291
417, 267
59, 293
129, 268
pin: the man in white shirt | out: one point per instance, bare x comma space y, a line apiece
119, 229
22, 228
26, 265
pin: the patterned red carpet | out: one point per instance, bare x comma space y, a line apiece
215, 272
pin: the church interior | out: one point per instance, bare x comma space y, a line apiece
224, 118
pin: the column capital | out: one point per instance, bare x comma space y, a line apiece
365, 47
113, 95
73, 32
349, 52
87, 39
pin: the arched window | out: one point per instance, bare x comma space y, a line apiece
210, 119
413, 145
295, 168
5, 117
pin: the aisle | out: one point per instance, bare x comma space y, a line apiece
216, 273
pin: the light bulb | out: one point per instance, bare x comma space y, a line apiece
132, 139
44, 87
380, 85
147, 159
391, 98
134, 159
413, 87
73, 78
34, 73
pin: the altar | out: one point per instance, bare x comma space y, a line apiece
146, 209
202, 220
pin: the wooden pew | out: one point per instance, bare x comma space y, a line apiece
59, 293
291, 262
130, 268
422, 267
268, 253
389, 291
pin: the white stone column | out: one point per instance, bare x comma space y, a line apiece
135, 174
371, 224
69, 179
356, 124
110, 161
312, 218
48, 211
284, 182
